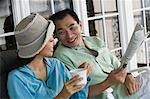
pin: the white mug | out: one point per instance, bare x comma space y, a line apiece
82, 73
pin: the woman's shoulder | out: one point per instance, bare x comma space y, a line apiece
17, 72
53, 60
14, 73
55, 65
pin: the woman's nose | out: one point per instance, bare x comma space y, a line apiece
55, 41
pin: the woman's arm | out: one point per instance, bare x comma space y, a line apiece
16, 88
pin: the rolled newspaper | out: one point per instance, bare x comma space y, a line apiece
138, 37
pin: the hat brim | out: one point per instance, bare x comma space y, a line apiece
36, 47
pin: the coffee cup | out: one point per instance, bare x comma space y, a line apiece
82, 73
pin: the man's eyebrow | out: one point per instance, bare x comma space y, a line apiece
67, 27
59, 29
71, 24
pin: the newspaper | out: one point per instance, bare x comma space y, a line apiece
138, 37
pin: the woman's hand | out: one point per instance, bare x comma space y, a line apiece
70, 87
87, 67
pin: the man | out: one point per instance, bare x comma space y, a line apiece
73, 50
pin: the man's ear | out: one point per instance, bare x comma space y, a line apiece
81, 24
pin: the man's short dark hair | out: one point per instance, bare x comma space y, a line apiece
63, 13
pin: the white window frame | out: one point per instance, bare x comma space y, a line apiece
80, 8
126, 24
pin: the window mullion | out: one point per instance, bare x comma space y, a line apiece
52, 6
104, 23
81, 9
126, 23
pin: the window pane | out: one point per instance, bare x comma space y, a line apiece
44, 6
110, 6
96, 28
62, 4
141, 55
118, 54
147, 3
40, 6
149, 50
138, 18
137, 4
94, 7
4, 8
147, 14
112, 30
6, 25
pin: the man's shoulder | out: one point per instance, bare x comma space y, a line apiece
94, 40
62, 50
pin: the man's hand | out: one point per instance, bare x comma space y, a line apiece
86, 66
117, 76
131, 85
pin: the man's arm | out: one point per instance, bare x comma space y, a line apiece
95, 90
116, 76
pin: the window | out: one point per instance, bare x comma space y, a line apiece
141, 12
103, 22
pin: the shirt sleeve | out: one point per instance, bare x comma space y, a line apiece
17, 89
114, 60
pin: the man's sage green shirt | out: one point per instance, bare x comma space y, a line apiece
100, 59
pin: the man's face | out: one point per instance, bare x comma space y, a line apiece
68, 31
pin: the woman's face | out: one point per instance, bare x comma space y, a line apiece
48, 49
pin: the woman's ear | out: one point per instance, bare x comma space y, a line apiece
55, 35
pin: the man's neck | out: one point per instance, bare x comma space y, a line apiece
81, 44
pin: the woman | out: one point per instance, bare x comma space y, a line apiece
42, 77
